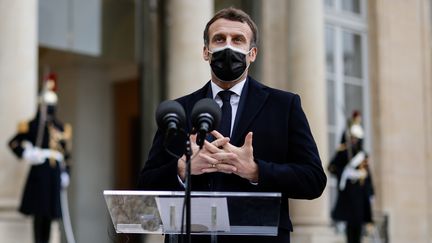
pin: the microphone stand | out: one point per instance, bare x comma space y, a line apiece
188, 183
188, 189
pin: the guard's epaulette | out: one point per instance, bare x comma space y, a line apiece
67, 131
341, 147
23, 127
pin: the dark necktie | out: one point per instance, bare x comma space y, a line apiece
225, 129
225, 125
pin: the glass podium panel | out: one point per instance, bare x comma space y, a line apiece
212, 213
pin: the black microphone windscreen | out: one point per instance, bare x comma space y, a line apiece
209, 106
170, 107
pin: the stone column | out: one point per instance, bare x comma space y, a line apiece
400, 43
186, 68
18, 87
273, 43
293, 53
306, 76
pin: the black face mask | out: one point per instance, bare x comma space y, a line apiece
228, 64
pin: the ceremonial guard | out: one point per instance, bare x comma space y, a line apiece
355, 189
44, 143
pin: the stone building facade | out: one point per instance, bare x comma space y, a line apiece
156, 45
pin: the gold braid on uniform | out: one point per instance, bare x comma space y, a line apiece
55, 138
23, 127
67, 135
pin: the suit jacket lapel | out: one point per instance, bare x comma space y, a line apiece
204, 92
251, 103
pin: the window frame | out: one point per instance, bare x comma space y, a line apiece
341, 21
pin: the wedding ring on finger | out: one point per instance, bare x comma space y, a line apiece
212, 165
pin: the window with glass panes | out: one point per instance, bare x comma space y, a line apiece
346, 69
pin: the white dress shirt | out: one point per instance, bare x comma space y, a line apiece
235, 98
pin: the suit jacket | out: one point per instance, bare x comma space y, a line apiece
283, 147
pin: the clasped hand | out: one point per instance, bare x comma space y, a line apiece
221, 156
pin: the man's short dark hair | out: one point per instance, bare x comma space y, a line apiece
233, 14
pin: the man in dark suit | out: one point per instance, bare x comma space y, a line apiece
266, 146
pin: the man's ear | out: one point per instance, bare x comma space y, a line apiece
206, 54
253, 54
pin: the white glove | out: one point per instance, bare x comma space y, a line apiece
33, 155
355, 174
64, 179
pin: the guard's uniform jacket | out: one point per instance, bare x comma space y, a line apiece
42, 190
353, 202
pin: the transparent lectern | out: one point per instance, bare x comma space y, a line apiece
212, 213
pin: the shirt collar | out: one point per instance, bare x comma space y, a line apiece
237, 89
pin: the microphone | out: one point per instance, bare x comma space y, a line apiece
206, 115
170, 116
